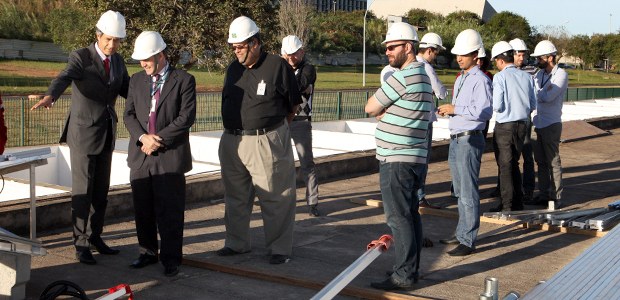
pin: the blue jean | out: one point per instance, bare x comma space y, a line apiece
399, 183
422, 189
464, 158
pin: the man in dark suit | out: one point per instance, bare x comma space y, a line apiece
97, 75
161, 108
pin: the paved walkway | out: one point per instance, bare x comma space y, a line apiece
324, 246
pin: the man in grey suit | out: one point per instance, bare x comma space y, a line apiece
97, 75
160, 109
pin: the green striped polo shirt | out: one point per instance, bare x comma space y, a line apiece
402, 133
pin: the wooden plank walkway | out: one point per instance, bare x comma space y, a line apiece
594, 274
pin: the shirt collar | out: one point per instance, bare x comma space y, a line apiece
101, 55
163, 71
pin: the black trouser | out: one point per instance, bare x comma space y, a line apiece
89, 192
508, 143
159, 204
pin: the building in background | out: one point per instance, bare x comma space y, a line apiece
384, 8
333, 5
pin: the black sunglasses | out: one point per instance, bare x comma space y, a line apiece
392, 47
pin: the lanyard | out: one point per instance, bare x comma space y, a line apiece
458, 91
156, 85
543, 79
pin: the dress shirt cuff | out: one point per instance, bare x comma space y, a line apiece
140, 138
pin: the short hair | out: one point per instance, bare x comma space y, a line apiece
507, 56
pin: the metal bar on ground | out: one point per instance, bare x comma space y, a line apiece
602, 222
375, 248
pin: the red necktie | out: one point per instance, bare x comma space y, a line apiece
106, 66
155, 91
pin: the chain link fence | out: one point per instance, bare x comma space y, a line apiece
39, 127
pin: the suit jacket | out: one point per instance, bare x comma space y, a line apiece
92, 99
176, 113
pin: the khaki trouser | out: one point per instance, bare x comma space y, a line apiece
263, 166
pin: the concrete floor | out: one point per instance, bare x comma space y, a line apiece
324, 246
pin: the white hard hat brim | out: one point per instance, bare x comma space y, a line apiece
429, 45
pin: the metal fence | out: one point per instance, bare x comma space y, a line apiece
30, 128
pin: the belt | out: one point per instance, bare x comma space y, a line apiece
465, 133
260, 131
302, 118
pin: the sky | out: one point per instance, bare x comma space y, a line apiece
577, 16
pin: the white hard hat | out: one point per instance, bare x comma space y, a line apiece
500, 47
467, 42
148, 43
543, 48
291, 44
431, 40
401, 31
482, 53
241, 29
518, 45
112, 23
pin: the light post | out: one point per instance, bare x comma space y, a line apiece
368, 3
609, 23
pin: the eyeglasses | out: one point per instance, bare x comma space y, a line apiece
239, 47
392, 47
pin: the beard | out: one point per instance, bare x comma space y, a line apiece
542, 65
398, 60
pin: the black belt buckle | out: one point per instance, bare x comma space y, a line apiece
465, 133
259, 131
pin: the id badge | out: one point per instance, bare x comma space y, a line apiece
261, 88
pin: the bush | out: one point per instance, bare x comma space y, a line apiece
19, 24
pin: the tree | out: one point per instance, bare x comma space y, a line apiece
421, 17
579, 46
375, 33
509, 26
195, 28
463, 16
337, 32
295, 18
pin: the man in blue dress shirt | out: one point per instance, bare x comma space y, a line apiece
513, 101
469, 111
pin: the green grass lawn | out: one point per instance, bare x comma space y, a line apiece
20, 77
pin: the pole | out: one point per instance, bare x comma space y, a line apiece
375, 248
609, 23
368, 4
364, 52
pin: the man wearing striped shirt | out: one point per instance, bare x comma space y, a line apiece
403, 107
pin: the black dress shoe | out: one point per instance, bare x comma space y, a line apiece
426, 204
278, 259
226, 251
461, 250
85, 257
171, 271
314, 212
102, 248
415, 278
499, 208
390, 285
143, 261
538, 201
450, 241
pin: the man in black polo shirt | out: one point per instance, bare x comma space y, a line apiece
259, 99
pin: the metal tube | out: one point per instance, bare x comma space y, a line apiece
375, 249
491, 285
